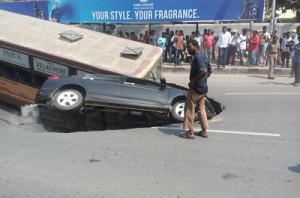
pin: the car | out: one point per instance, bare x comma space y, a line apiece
68, 102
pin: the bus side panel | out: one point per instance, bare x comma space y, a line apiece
16, 93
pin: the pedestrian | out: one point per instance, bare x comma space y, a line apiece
286, 53
296, 59
198, 88
153, 38
141, 38
162, 43
233, 47
133, 37
208, 44
168, 53
273, 51
146, 37
179, 45
120, 34
243, 45
253, 48
223, 44
265, 38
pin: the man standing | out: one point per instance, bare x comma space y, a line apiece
223, 44
198, 88
243, 45
178, 41
265, 38
253, 48
162, 43
296, 58
208, 44
286, 53
273, 51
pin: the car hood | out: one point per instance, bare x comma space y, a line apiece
177, 86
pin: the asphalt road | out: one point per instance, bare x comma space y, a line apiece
252, 151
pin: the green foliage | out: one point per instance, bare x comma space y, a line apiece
288, 5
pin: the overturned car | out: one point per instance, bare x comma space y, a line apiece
99, 102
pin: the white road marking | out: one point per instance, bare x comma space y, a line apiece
228, 132
257, 93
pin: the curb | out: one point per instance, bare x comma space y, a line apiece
169, 67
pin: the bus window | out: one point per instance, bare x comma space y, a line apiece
9, 72
24, 76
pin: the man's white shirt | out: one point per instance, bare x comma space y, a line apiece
224, 39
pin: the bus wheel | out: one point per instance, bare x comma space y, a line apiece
68, 100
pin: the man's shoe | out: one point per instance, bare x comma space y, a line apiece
201, 134
271, 78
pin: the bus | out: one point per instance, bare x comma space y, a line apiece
32, 49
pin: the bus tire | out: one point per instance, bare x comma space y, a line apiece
68, 100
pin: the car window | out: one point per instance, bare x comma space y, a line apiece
141, 82
115, 79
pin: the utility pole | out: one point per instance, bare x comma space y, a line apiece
273, 18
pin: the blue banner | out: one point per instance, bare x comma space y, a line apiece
140, 11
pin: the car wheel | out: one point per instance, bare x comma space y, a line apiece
178, 110
68, 100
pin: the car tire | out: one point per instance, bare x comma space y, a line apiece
68, 100
177, 110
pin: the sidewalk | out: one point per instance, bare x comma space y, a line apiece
236, 69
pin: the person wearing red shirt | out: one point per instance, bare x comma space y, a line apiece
208, 44
253, 48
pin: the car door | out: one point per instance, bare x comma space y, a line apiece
104, 89
136, 92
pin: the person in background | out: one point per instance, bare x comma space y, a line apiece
55, 13
286, 53
162, 43
253, 48
198, 38
169, 45
127, 35
120, 34
273, 51
243, 45
208, 44
265, 38
141, 38
198, 88
178, 42
188, 56
293, 36
146, 37
232, 50
223, 44
296, 58
213, 55
133, 37
152, 38
279, 60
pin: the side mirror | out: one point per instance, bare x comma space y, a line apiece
163, 82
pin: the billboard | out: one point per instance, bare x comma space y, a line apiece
141, 11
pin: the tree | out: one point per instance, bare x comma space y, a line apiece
285, 5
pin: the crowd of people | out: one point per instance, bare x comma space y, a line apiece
251, 48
